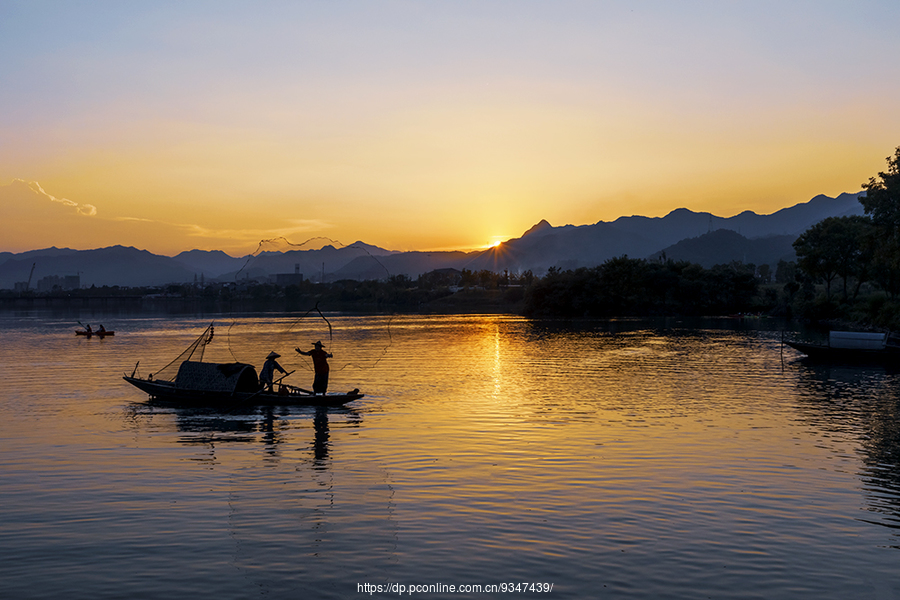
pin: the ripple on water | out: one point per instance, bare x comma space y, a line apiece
620, 459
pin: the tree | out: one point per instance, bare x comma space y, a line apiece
853, 238
785, 272
882, 204
837, 247
817, 255
882, 199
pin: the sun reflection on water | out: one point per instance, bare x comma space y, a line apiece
626, 454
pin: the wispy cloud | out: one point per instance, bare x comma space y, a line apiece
36, 218
87, 210
292, 227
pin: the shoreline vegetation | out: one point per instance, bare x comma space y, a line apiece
847, 274
619, 288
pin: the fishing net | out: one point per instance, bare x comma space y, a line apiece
249, 336
194, 352
282, 246
308, 325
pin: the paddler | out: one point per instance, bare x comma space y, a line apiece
267, 374
320, 366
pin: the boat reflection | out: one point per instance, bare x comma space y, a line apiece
861, 403
274, 428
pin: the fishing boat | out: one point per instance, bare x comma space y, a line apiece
190, 381
99, 334
853, 346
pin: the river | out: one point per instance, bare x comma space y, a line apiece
607, 459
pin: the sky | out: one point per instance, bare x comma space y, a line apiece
427, 125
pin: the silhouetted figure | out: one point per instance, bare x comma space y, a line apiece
102, 329
267, 374
320, 366
88, 329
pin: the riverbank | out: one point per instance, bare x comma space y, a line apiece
464, 301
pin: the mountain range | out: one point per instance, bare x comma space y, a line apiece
682, 234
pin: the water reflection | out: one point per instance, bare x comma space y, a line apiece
285, 496
271, 427
645, 459
861, 403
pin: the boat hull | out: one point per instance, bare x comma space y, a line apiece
99, 334
819, 352
288, 396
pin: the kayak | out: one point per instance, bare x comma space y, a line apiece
93, 333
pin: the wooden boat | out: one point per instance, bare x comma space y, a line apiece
283, 394
224, 385
853, 347
100, 334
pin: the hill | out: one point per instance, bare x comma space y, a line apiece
699, 237
567, 247
116, 265
725, 246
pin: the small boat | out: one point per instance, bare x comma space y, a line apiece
853, 347
100, 334
242, 388
225, 385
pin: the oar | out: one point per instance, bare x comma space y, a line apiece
261, 389
89, 333
283, 376
258, 392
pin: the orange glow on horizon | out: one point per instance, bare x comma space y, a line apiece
368, 141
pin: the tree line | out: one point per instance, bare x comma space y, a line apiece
637, 287
855, 254
847, 268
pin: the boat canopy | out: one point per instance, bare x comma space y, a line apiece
217, 377
853, 340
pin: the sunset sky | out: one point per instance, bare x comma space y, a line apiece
427, 125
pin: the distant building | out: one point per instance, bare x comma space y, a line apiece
52, 282
284, 279
46, 284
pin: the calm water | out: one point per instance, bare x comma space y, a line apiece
611, 459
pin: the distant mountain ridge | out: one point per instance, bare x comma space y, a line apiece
682, 235
572, 246
115, 265
709, 249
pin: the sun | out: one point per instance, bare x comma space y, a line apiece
496, 240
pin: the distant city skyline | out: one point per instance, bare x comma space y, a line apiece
444, 125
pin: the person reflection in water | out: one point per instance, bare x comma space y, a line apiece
267, 374
320, 366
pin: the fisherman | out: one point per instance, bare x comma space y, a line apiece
320, 366
267, 374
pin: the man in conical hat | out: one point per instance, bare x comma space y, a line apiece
320, 366
267, 374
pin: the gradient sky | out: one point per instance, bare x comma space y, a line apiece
427, 125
